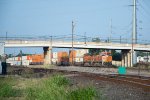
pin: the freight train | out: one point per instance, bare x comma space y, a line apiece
79, 57
103, 59
83, 58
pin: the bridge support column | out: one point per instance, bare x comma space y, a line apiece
134, 58
124, 58
47, 55
129, 58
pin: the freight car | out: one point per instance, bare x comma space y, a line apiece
63, 59
37, 59
86, 59
76, 56
82, 58
103, 59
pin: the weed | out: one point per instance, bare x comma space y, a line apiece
83, 94
49, 89
57, 88
59, 80
52, 88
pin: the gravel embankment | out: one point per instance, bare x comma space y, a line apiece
110, 90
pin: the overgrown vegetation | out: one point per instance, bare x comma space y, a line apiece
56, 87
6, 88
83, 94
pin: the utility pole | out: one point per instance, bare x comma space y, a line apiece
134, 23
51, 40
51, 49
110, 30
72, 40
120, 39
6, 35
85, 38
21, 56
108, 40
134, 33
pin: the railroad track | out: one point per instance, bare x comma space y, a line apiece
136, 81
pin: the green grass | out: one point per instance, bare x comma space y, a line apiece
49, 89
6, 88
56, 87
58, 80
88, 93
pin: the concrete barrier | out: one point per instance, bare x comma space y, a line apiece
116, 63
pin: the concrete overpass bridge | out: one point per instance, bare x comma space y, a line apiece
126, 49
80, 45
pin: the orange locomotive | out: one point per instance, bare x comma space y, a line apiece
103, 59
63, 58
37, 59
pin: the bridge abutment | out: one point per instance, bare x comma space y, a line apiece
47, 55
129, 58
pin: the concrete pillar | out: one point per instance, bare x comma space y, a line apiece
129, 58
47, 55
123, 59
126, 60
133, 58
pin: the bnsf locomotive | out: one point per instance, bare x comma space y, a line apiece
103, 59
83, 58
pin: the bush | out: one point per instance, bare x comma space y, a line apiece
83, 94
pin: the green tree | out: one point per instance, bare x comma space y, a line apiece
95, 51
116, 56
10, 55
141, 53
97, 39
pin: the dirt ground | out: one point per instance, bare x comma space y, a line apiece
109, 90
